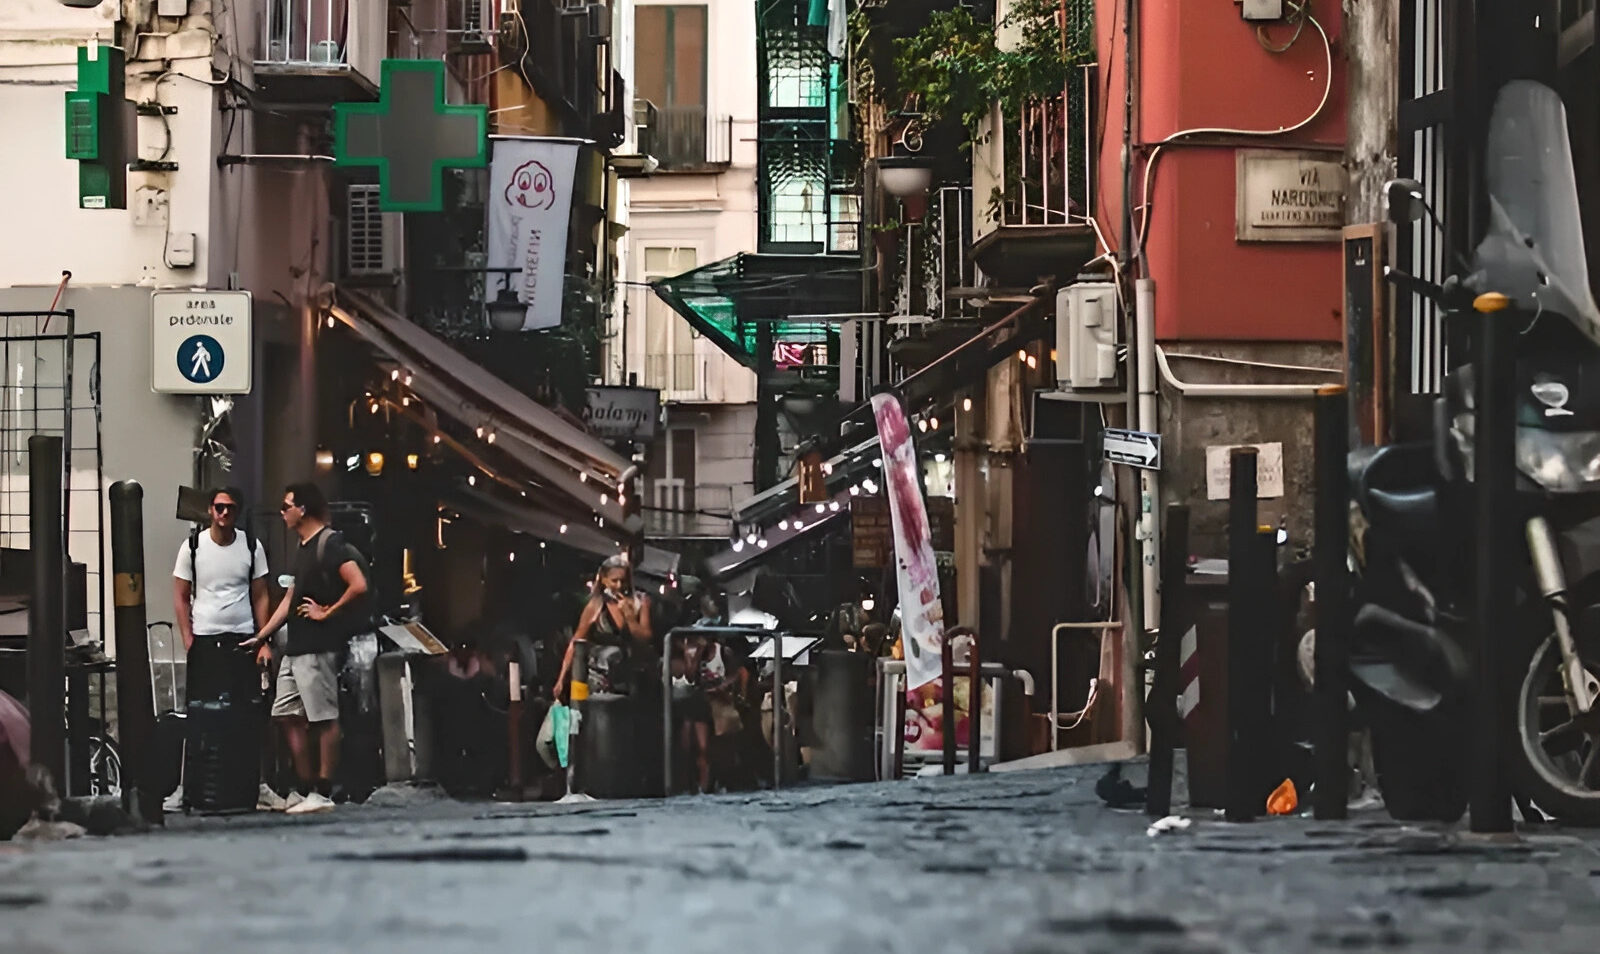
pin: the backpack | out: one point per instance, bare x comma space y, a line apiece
194, 557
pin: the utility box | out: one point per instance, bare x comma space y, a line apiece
1087, 324
1262, 10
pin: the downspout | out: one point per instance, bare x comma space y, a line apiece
1149, 527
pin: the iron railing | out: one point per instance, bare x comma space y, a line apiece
1049, 181
305, 33
684, 138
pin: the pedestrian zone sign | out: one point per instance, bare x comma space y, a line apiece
200, 342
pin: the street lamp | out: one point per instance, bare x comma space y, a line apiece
907, 178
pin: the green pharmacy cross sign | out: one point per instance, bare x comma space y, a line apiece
411, 136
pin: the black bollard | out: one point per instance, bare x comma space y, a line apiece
1498, 559
1165, 725
1244, 624
777, 711
1330, 797
135, 698
47, 611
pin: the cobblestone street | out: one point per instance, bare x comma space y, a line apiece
1021, 862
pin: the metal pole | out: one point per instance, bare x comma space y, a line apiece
514, 731
1331, 567
1243, 598
947, 689
666, 715
47, 630
777, 711
1498, 564
578, 696
136, 711
1164, 721
975, 712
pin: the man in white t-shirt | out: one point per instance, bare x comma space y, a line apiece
220, 599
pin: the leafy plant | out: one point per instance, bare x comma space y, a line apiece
953, 68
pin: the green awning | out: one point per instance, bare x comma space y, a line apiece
729, 300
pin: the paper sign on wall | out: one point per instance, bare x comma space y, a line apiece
530, 203
1269, 470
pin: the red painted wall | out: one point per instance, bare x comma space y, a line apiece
1199, 64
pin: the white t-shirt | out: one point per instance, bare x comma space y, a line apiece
222, 596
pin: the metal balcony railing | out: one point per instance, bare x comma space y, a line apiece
306, 33
684, 138
703, 510
675, 375
1048, 182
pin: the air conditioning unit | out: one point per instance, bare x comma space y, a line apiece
374, 243
1087, 335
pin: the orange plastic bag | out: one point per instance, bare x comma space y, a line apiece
1283, 800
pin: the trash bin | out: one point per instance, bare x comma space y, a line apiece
843, 717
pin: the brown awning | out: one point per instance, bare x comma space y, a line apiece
559, 456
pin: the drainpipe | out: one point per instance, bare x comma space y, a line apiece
1149, 525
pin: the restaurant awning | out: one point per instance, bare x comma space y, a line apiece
935, 382
750, 551
727, 301
559, 457
527, 517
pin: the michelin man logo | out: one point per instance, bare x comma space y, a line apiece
532, 187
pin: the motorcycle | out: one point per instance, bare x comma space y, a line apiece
1410, 545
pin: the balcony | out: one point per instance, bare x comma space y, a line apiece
684, 139
1041, 229
674, 509
315, 53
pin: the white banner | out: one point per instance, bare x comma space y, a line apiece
530, 203
921, 613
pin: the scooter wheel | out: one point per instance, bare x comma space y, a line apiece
1556, 759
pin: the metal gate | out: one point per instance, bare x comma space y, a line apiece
51, 386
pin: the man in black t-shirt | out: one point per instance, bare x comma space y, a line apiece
327, 598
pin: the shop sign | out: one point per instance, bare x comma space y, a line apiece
623, 414
1289, 196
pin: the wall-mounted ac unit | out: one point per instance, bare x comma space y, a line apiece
374, 240
1087, 324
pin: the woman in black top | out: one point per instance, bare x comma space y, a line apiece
615, 621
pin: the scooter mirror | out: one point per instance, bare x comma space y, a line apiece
1404, 200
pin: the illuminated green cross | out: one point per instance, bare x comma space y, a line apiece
411, 136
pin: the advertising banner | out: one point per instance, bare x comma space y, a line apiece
530, 202
922, 615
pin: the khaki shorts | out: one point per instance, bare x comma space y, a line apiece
308, 685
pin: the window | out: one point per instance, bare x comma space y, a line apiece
670, 472
669, 58
669, 358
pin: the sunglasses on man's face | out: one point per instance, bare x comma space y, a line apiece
286, 506
225, 508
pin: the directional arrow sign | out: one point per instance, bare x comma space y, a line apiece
1133, 447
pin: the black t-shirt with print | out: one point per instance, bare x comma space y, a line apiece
320, 580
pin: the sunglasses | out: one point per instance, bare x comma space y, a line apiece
285, 507
225, 507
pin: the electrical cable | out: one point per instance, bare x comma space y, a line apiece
1178, 137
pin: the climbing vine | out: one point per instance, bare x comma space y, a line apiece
953, 68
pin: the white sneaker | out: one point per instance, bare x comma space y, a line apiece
314, 803
270, 801
295, 798
174, 802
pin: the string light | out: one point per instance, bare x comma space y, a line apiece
1022, 355
394, 375
751, 538
966, 404
939, 458
855, 490
563, 528
738, 546
762, 543
783, 524
821, 508
1032, 362
408, 381
922, 425
834, 506
480, 431
472, 480
605, 499
511, 557
933, 422
330, 321
583, 478
412, 461
490, 438
437, 438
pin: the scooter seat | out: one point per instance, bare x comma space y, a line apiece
1395, 484
1414, 513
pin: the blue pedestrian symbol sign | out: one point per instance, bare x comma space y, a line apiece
200, 342
200, 359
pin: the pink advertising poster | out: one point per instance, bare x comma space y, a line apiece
922, 615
